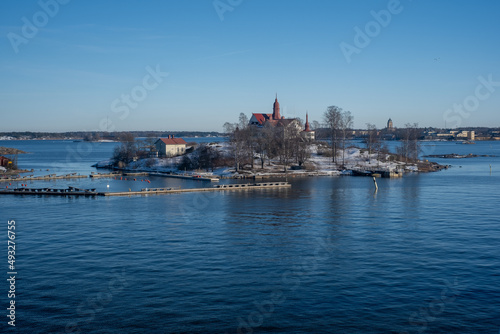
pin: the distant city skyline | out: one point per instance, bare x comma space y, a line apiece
192, 66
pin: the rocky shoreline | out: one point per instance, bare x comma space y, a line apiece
9, 150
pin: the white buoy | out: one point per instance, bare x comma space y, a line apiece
375, 183
107, 186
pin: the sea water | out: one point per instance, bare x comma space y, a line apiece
328, 255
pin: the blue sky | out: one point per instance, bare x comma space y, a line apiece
430, 62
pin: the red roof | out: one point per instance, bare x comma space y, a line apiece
173, 141
262, 118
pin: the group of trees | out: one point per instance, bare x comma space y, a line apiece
281, 142
410, 144
203, 157
338, 122
131, 149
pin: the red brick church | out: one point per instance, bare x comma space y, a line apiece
271, 119
275, 119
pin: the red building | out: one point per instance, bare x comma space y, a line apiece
4, 161
274, 119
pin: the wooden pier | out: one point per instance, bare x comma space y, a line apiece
45, 177
105, 175
229, 187
186, 177
72, 191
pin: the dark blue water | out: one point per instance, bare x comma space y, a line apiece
422, 255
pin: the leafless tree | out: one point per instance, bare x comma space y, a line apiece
264, 144
372, 139
302, 150
410, 145
345, 123
239, 141
126, 151
331, 117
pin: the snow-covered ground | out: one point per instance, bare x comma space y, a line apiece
318, 164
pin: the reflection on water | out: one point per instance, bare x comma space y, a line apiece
327, 255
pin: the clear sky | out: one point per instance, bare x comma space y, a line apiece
72, 65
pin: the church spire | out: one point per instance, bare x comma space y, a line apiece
307, 127
276, 108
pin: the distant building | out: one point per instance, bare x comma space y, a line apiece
274, 119
308, 134
170, 146
390, 126
261, 119
469, 135
452, 134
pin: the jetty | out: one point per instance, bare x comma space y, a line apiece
224, 187
104, 175
44, 177
72, 191
186, 177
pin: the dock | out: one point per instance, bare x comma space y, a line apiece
45, 177
72, 191
186, 177
104, 175
116, 173
224, 187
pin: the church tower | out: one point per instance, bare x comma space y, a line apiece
276, 109
390, 126
307, 133
307, 127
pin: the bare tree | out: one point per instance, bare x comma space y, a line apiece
285, 139
372, 139
282, 141
410, 146
126, 151
302, 150
345, 123
264, 144
149, 143
239, 140
331, 117
243, 121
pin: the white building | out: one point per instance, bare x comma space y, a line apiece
170, 146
